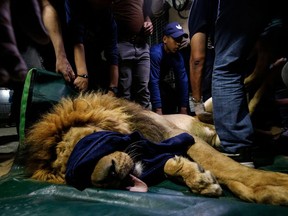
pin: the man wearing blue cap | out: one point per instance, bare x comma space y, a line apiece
163, 57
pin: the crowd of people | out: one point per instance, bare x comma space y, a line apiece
103, 45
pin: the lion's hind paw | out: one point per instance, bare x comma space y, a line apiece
265, 187
193, 175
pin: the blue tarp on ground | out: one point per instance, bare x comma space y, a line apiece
22, 196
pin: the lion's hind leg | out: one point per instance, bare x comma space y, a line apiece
195, 177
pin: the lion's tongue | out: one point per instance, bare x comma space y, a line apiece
139, 186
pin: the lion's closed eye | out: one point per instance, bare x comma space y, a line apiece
104, 176
112, 171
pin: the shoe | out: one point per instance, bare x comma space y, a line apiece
244, 156
206, 117
243, 159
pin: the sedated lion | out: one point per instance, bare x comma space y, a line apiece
51, 141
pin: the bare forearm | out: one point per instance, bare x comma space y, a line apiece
195, 79
79, 57
197, 60
52, 24
114, 75
81, 81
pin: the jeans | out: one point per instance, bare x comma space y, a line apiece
236, 31
134, 72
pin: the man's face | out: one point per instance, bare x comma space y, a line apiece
171, 45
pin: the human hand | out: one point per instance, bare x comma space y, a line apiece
81, 83
17, 76
159, 111
63, 66
183, 110
148, 28
278, 62
185, 43
111, 93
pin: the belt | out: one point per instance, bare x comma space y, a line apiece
134, 39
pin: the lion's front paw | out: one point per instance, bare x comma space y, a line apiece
193, 175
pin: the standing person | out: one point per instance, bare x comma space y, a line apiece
94, 32
12, 65
201, 24
13, 68
165, 56
134, 26
237, 27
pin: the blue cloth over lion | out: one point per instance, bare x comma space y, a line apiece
90, 149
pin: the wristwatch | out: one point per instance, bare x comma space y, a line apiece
113, 89
83, 75
196, 101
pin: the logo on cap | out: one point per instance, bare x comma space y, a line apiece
178, 26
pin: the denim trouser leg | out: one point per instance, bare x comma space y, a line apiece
134, 72
234, 37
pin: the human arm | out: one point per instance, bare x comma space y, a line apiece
80, 83
114, 75
181, 80
77, 30
111, 54
196, 63
52, 24
154, 82
148, 26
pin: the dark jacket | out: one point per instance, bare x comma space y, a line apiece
161, 62
85, 23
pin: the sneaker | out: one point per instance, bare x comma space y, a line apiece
206, 117
243, 159
244, 156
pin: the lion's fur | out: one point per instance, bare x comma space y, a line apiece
51, 140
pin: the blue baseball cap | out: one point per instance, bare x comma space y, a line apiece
174, 30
